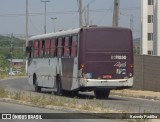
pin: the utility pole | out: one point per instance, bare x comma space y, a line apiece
116, 14
11, 53
88, 22
45, 1
80, 13
26, 64
53, 19
131, 22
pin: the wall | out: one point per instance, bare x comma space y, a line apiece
146, 72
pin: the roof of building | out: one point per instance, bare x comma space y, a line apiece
17, 60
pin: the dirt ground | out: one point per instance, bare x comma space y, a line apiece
137, 94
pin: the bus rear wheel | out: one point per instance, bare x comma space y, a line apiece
59, 86
36, 87
101, 94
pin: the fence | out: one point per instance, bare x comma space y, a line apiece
146, 72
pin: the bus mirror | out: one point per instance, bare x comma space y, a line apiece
28, 50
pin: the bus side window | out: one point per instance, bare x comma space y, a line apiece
30, 45
40, 49
43, 48
60, 47
36, 49
67, 47
74, 46
47, 48
53, 48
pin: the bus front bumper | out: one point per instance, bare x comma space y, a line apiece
109, 83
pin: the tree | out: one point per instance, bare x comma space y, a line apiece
3, 62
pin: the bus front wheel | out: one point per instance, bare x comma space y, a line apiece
35, 82
101, 94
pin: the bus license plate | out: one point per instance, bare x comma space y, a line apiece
106, 76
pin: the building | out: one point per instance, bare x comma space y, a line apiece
17, 63
150, 22
156, 28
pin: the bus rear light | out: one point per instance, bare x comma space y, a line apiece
130, 74
131, 65
82, 66
107, 76
131, 70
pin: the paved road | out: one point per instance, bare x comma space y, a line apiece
14, 108
114, 102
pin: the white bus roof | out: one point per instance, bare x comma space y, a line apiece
60, 33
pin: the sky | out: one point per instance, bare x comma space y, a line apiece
12, 15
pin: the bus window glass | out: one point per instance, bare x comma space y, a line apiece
36, 49
47, 48
74, 46
67, 47
60, 47
43, 48
53, 48
30, 44
40, 49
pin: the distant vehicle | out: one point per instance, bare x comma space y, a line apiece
12, 73
15, 73
95, 59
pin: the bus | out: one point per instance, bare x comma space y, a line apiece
96, 59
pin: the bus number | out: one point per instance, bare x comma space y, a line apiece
122, 57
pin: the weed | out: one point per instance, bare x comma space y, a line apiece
2, 92
45, 100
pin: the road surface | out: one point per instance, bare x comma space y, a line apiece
134, 105
21, 109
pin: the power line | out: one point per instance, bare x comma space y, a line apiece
63, 12
33, 26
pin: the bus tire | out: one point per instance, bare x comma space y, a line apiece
35, 82
59, 86
101, 94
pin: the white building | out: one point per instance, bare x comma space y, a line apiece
150, 21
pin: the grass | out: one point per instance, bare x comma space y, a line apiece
2, 76
44, 100
2, 92
51, 101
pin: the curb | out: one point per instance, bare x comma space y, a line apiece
93, 115
13, 77
60, 108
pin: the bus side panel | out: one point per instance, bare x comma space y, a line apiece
82, 48
75, 83
45, 70
67, 73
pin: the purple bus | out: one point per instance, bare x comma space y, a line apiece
96, 59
